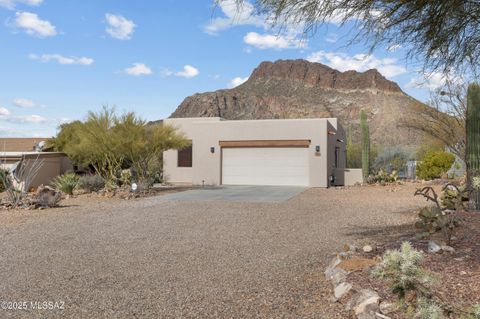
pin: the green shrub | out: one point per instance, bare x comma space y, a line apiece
402, 269
4, 180
126, 177
66, 183
434, 165
107, 142
476, 311
426, 309
91, 183
451, 199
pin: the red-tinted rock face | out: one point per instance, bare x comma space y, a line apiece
301, 89
320, 75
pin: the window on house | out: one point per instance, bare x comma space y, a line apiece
185, 157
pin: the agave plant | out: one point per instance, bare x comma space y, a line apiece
66, 183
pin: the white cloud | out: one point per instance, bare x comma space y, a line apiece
359, 62
24, 103
268, 41
427, 81
4, 112
188, 72
62, 59
33, 25
234, 15
119, 27
244, 14
10, 4
138, 69
15, 132
237, 81
27, 119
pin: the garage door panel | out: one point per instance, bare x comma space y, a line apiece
265, 166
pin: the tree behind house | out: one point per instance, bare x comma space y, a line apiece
109, 143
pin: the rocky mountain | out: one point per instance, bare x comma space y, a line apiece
302, 89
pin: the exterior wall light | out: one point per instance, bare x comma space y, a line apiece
212, 150
317, 149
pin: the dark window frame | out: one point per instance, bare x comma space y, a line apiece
185, 157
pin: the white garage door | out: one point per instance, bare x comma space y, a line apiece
265, 166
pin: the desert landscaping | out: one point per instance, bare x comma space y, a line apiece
240, 159
214, 258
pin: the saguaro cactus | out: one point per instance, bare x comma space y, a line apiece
365, 145
473, 143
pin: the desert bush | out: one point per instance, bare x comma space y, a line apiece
402, 269
427, 309
383, 177
109, 143
91, 183
17, 184
433, 219
4, 180
66, 183
435, 164
46, 197
111, 185
454, 198
476, 311
126, 177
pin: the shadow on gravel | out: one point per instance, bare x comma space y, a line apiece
385, 234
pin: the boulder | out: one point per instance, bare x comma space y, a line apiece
387, 307
433, 247
338, 276
361, 301
46, 196
331, 267
342, 289
367, 249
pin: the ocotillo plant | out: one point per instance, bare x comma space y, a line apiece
473, 143
365, 145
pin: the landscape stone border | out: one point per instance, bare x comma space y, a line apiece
364, 303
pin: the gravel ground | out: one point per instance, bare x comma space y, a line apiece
152, 258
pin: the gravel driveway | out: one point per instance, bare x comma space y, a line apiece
152, 258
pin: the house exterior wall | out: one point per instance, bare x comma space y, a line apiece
208, 132
353, 176
50, 165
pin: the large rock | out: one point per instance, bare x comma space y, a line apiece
364, 301
46, 196
341, 290
302, 89
332, 267
433, 247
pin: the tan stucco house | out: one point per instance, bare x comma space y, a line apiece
303, 152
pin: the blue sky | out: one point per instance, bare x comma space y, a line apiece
61, 58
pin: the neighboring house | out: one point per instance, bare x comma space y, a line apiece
28, 164
303, 152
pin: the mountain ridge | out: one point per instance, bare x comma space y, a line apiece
302, 89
